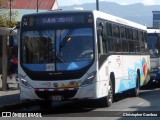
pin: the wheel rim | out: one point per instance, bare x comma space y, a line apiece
110, 94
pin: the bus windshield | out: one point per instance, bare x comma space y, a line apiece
57, 50
152, 46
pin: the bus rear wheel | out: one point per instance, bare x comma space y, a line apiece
135, 92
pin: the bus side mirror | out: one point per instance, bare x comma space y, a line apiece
14, 28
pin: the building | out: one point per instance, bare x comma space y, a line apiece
29, 6
156, 19
33, 4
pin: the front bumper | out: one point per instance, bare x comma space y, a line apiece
88, 92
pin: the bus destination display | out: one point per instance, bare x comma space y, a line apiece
48, 20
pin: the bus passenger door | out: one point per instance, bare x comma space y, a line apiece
102, 62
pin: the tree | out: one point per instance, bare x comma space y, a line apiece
7, 19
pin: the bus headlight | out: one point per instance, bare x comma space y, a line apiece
24, 82
89, 79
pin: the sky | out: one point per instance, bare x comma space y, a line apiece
122, 2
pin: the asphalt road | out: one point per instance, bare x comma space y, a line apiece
144, 107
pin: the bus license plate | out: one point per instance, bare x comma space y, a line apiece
57, 98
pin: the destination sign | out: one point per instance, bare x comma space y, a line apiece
54, 20
51, 20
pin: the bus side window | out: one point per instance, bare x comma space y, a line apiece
135, 34
117, 40
110, 39
129, 34
142, 42
123, 38
109, 36
145, 42
109, 29
131, 46
105, 38
115, 31
130, 40
100, 37
136, 39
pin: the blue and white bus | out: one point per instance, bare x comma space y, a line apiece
76, 55
153, 43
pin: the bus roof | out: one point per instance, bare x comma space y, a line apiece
119, 20
153, 30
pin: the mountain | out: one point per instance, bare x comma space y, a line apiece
135, 12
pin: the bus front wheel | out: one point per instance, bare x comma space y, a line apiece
107, 101
110, 94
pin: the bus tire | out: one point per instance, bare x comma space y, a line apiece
112, 78
110, 94
136, 90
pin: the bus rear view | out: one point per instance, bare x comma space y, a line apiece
153, 43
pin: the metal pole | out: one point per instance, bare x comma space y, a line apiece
37, 5
4, 63
97, 4
10, 6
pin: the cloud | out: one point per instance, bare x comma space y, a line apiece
148, 2
75, 1
124, 3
